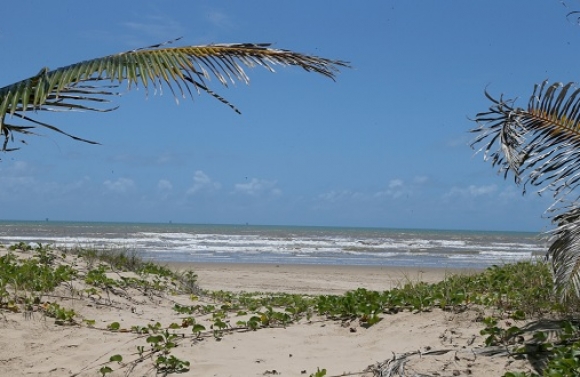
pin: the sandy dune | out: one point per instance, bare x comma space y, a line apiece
33, 345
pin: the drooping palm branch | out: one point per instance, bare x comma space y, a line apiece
184, 70
540, 145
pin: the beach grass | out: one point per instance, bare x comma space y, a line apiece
520, 314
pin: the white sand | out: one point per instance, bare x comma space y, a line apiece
311, 279
38, 347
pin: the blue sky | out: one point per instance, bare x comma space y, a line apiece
386, 145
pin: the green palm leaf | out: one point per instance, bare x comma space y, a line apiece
541, 146
84, 86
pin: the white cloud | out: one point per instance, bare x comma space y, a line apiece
420, 180
164, 188
472, 191
337, 195
460, 141
16, 169
511, 192
219, 19
121, 185
257, 187
202, 182
395, 183
164, 159
79, 184
395, 189
164, 185
20, 178
159, 27
24, 183
20, 166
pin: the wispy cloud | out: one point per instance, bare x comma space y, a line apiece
121, 185
335, 196
157, 27
460, 141
17, 183
164, 185
258, 187
420, 180
511, 192
472, 191
19, 166
141, 159
23, 178
397, 188
140, 29
219, 19
202, 182
164, 188
165, 159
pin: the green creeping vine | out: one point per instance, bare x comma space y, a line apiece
25, 283
552, 345
319, 373
29, 275
522, 291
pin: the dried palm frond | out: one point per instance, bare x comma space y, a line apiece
564, 251
541, 140
541, 146
186, 69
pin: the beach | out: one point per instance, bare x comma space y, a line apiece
309, 279
434, 343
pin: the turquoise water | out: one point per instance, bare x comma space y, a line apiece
286, 244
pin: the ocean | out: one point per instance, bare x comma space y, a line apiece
286, 244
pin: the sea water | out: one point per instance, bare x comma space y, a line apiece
286, 244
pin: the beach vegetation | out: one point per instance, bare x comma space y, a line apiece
197, 329
22, 246
171, 364
28, 281
105, 369
519, 309
551, 346
61, 315
319, 373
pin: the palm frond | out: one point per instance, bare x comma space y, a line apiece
564, 251
541, 146
184, 70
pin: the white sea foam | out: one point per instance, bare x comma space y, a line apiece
305, 245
